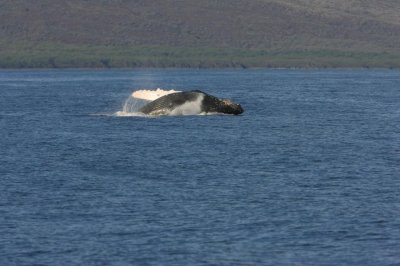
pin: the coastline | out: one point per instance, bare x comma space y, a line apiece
74, 56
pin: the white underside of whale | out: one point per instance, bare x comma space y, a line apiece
151, 95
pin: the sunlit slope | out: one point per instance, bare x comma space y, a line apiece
386, 11
199, 33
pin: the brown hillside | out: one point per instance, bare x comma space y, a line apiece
368, 25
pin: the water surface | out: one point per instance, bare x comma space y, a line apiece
308, 175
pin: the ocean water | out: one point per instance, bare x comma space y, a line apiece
309, 174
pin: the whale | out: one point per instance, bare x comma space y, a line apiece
190, 103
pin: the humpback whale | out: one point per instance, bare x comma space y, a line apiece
190, 102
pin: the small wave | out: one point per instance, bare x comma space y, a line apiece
129, 114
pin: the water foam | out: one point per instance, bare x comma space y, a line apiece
131, 107
189, 108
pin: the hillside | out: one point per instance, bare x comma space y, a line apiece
274, 33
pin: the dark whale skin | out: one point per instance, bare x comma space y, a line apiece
209, 104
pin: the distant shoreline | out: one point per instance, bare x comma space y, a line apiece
74, 56
198, 68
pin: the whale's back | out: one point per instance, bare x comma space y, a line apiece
190, 103
169, 102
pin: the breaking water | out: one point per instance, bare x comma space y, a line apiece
140, 98
131, 107
308, 175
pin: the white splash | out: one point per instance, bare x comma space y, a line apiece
140, 98
120, 113
131, 107
188, 108
151, 95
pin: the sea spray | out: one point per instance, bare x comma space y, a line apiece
188, 108
131, 107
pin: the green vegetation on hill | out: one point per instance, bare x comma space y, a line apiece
223, 33
52, 56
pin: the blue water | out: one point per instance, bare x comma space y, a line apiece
308, 175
